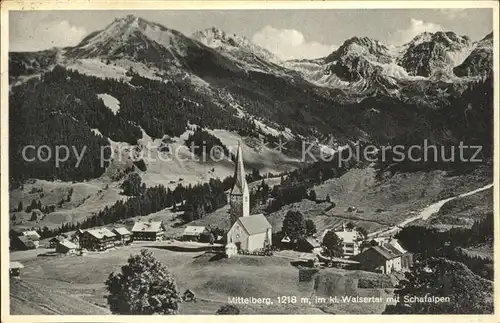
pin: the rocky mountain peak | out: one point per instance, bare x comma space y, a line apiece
430, 52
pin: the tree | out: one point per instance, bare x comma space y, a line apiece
312, 195
362, 232
349, 226
440, 277
144, 286
310, 227
20, 206
228, 310
332, 244
131, 186
294, 226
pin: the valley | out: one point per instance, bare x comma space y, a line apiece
169, 124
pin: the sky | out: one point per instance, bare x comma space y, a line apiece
287, 33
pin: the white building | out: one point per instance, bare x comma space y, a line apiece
351, 240
248, 232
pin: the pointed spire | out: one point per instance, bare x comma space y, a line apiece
239, 173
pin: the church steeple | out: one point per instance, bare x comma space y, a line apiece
239, 198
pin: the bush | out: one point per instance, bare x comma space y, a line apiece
374, 283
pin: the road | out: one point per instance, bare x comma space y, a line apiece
425, 213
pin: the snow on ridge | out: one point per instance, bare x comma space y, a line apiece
110, 102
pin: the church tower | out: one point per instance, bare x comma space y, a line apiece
239, 197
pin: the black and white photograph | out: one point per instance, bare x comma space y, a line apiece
313, 160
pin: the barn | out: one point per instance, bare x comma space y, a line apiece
66, 247
192, 232
123, 236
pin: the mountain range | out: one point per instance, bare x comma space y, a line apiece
165, 80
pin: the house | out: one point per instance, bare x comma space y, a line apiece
385, 258
188, 296
309, 244
148, 231
66, 247
15, 268
351, 240
250, 233
32, 234
97, 239
53, 242
192, 232
75, 237
23, 242
123, 236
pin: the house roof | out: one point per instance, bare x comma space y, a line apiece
121, 231
385, 252
31, 233
101, 233
147, 227
57, 238
395, 243
15, 265
68, 244
194, 230
27, 241
313, 242
254, 224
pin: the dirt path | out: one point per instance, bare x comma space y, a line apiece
426, 212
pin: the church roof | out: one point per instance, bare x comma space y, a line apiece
254, 224
240, 183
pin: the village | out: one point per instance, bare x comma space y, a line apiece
249, 235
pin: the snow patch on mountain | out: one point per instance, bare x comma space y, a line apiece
110, 102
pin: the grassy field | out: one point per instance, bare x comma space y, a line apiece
75, 284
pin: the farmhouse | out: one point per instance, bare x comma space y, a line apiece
15, 268
385, 258
23, 242
123, 236
66, 247
32, 234
148, 231
75, 238
53, 242
194, 232
97, 239
309, 244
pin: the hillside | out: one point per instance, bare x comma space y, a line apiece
213, 281
132, 97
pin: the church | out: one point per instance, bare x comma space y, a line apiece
248, 232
